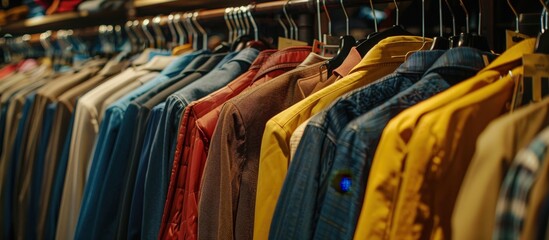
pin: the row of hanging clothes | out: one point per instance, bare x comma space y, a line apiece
156, 132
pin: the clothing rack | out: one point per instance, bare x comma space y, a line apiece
302, 10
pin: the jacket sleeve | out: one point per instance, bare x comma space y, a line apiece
221, 178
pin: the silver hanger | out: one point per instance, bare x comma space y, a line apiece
160, 38
453, 18
228, 23
374, 15
173, 32
327, 17
347, 17
466, 15
201, 29
254, 25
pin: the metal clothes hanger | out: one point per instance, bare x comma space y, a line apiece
279, 20
201, 30
159, 35
229, 24
190, 29
346, 43
369, 43
288, 18
145, 28
440, 42
254, 25
542, 41
131, 36
469, 40
173, 33
142, 38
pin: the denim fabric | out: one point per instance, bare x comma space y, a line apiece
306, 180
38, 171
136, 212
357, 142
118, 172
153, 204
108, 132
57, 186
356, 146
8, 188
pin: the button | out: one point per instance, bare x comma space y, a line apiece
342, 182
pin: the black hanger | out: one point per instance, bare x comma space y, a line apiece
542, 42
468, 39
346, 43
474, 41
440, 42
369, 43
376, 37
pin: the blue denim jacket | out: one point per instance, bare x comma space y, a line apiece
306, 181
357, 142
105, 145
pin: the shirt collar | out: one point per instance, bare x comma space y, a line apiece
389, 50
246, 55
513, 55
180, 62
459, 63
349, 63
419, 62
312, 59
202, 62
288, 57
261, 59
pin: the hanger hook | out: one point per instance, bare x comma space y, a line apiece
288, 19
374, 15
347, 17
398, 12
201, 29
292, 22
328, 17
141, 37
453, 17
144, 26
234, 25
479, 18
283, 26
173, 31
423, 21
318, 20
188, 20
161, 40
245, 19
254, 25
227, 22
242, 20
440, 27
545, 8
466, 15
237, 21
